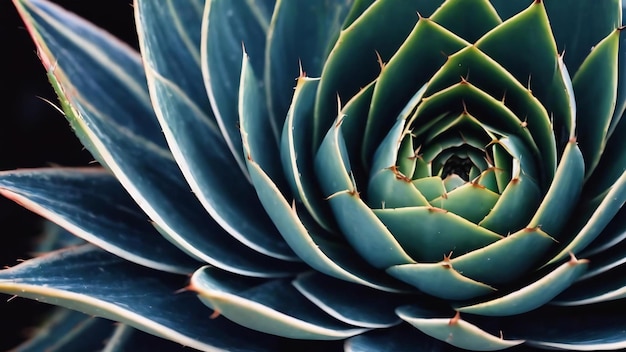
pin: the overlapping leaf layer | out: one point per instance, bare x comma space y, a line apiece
432, 179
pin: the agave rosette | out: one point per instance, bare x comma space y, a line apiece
434, 175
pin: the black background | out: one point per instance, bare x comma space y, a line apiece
33, 134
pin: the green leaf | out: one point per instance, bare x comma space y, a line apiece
525, 47
429, 233
579, 25
479, 17
440, 280
470, 201
348, 68
533, 295
487, 75
506, 260
595, 86
356, 220
409, 69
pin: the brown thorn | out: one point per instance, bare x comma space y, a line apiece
455, 319
399, 175
302, 73
524, 123
379, 59
216, 313
184, 289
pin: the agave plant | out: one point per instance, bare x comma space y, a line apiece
439, 175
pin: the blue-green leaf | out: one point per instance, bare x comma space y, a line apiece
95, 282
93, 205
273, 307
183, 110
226, 25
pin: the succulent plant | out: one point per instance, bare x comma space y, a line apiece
439, 175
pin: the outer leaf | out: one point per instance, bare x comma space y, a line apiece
401, 338
182, 109
300, 31
139, 161
66, 330
602, 323
93, 205
353, 304
226, 24
580, 25
274, 307
98, 283
455, 331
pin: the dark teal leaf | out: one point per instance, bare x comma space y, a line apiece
67, 330
578, 26
352, 61
525, 47
97, 283
111, 129
607, 283
479, 17
455, 330
595, 87
301, 32
274, 307
351, 303
590, 220
594, 327
399, 338
226, 26
193, 136
93, 205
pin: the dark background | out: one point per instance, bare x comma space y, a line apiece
33, 134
